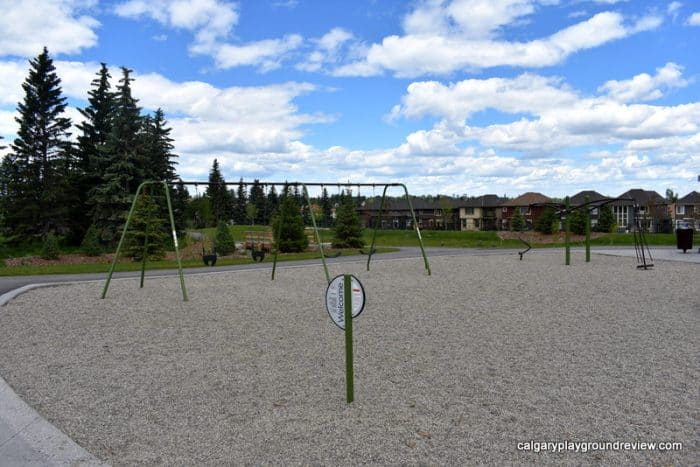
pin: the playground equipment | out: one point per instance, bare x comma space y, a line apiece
260, 255
564, 211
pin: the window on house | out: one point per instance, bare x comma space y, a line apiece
621, 216
504, 209
594, 211
525, 211
680, 209
468, 211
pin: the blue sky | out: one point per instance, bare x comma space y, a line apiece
448, 96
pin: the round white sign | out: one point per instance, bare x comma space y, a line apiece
335, 299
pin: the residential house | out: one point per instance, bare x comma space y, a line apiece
592, 197
646, 206
438, 213
531, 206
687, 211
480, 213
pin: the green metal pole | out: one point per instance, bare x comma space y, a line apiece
567, 225
588, 232
318, 237
145, 251
177, 247
349, 377
415, 223
121, 241
277, 249
379, 222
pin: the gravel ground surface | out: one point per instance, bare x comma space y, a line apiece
454, 368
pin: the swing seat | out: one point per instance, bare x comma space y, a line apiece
209, 259
258, 256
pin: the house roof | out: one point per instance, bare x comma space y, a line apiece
580, 197
400, 204
644, 197
527, 199
484, 201
691, 198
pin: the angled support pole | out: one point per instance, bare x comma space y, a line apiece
126, 228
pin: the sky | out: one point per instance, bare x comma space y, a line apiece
453, 97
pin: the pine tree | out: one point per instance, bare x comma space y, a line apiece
348, 231
326, 207
218, 194
606, 220
146, 231
124, 163
517, 222
288, 228
272, 202
95, 129
239, 211
224, 242
40, 164
256, 197
548, 222
577, 221
157, 148
180, 199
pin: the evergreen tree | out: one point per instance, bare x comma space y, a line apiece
157, 148
224, 242
180, 198
548, 221
577, 221
38, 169
517, 222
94, 131
326, 207
348, 231
124, 163
256, 197
289, 236
146, 231
199, 212
218, 194
91, 242
606, 220
239, 211
272, 202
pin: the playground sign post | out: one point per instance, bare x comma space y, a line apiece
345, 300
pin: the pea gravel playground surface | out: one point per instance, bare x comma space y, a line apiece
460, 367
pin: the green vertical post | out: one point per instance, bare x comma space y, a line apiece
318, 236
145, 253
177, 247
347, 295
121, 241
415, 224
379, 223
277, 249
567, 227
588, 232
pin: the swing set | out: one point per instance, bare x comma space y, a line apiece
305, 193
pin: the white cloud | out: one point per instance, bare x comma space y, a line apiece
694, 19
644, 87
443, 53
327, 49
28, 25
266, 54
673, 8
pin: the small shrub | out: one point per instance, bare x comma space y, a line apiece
91, 242
49, 249
225, 244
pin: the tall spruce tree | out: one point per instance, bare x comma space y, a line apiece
256, 197
39, 167
95, 129
218, 195
157, 148
239, 210
124, 163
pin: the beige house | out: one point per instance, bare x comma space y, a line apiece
480, 213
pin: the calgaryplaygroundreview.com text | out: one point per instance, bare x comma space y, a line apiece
587, 446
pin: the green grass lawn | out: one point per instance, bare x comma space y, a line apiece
384, 240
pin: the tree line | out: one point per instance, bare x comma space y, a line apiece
54, 185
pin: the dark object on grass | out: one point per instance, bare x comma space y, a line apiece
258, 255
209, 259
684, 239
